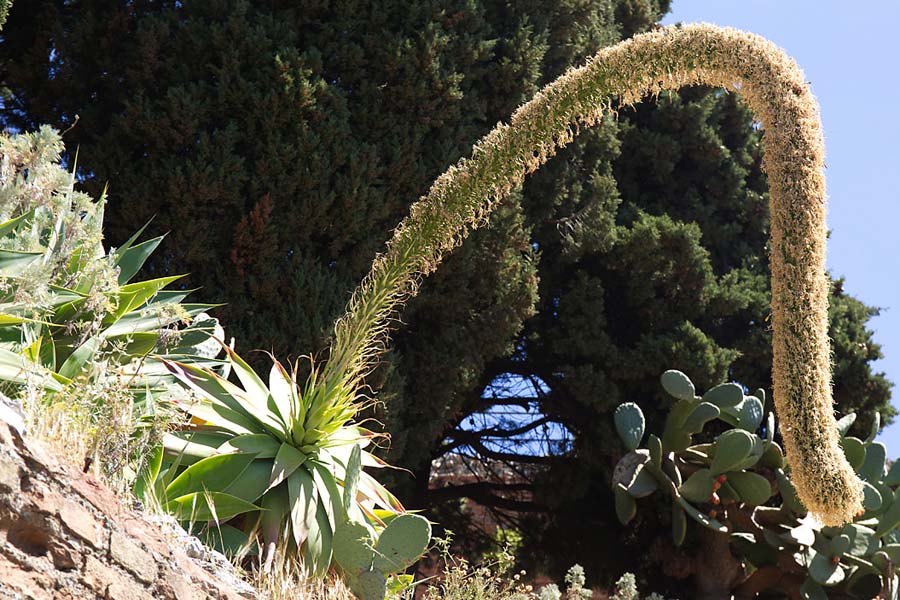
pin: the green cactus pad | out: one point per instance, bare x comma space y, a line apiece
810, 590
675, 438
845, 422
354, 548
732, 448
854, 450
643, 483
862, 539
872, 468
679, 524
677, 385
823, 571
698, 487
351, 479
872, 499
891, 518
749, 413
726, 394
401, 543
654, 445
370, 585
875, 428
630, 424
626, 507
789, 493
773, 456
752, 488
698, 516
839, 545
700, 416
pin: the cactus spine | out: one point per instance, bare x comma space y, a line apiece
666, 59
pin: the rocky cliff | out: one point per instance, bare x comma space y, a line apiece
64, 535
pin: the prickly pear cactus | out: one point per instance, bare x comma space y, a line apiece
738, 484
367, 563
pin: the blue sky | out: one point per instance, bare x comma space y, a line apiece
848, 52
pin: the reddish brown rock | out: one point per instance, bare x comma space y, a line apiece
64, 535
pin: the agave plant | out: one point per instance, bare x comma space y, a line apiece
65, 300
282, 463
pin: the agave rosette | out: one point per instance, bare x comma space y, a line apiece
268, 462
66, 303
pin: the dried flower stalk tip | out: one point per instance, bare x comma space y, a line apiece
666, 59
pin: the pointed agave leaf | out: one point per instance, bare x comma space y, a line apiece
218, 415
287, 460
15, 368
275, 510
190, 446
11, 225
223, 404
253, 482
208, 506
228, 540
135, 295
351, 480
144, 484
317, 552
282, 390
130, 259
262, 445
303, 500
74, 365
254, 386
13, 263
214, 474
330, 495
378, 494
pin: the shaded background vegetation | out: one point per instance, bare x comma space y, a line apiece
279, 143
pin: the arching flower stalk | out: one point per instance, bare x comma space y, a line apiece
666, 59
